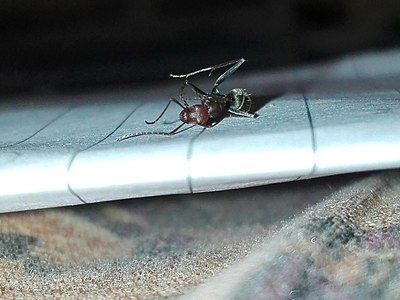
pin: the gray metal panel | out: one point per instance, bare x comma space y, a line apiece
356, 132
275, 147
67, 153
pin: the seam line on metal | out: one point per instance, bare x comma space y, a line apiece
313, 141
189, 158
76, 153
38, 131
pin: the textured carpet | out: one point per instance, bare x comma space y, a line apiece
328, 238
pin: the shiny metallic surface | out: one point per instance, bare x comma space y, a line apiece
327, 119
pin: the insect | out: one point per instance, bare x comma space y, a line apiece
213, 107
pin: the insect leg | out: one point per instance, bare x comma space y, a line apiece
226, 74
201, 94
195, 89
165, 109
205, 98
132, 135
183, 98
216, 122
175, 131
211, 69
237, 112
190, 74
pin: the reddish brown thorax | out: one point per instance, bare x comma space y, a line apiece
196, 114
216, 110
203, 115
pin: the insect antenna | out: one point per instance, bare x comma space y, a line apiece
165, 109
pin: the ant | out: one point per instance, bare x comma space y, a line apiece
214, 106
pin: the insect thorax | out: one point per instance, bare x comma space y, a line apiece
196, 115
240, 99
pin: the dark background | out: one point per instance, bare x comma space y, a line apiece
67, 45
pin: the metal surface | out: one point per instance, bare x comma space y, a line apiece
326, 119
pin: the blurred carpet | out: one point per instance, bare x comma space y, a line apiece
330, 238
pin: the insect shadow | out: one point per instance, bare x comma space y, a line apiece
213, 107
